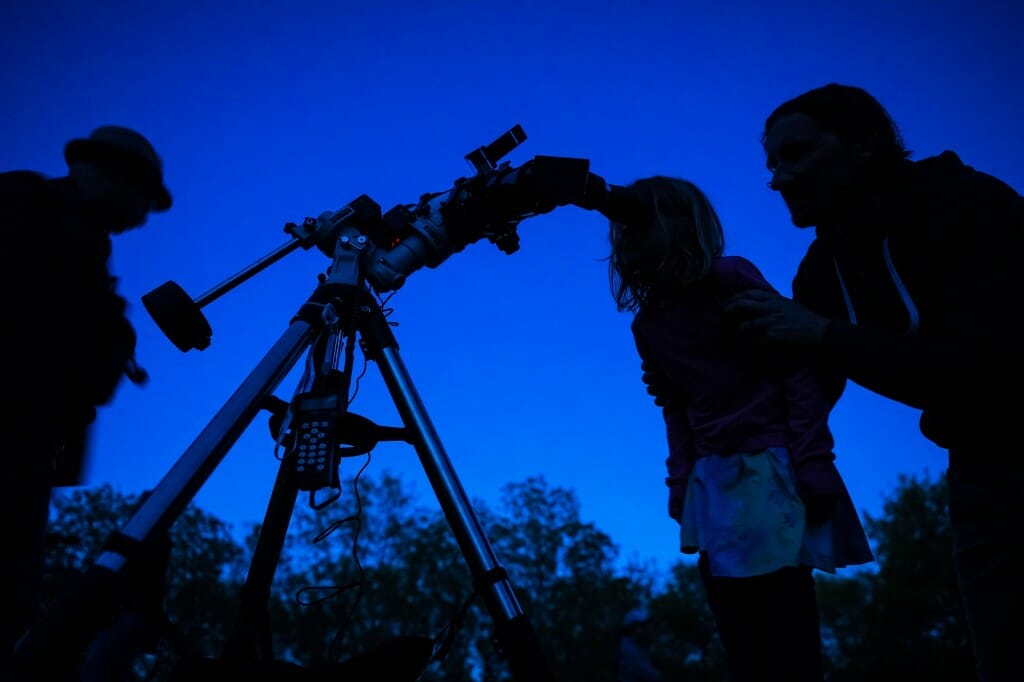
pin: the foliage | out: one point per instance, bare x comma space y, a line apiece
906, 618
376, 567
203, 570
686, 645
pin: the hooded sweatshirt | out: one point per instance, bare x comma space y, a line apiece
927, 304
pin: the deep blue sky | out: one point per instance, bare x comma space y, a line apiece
269, 115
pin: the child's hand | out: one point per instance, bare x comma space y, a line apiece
819, 484
676, 496
818, 508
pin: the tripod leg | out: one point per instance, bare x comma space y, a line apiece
517, 640
170, 497
71, 621
250, 639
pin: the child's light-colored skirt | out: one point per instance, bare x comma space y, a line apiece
743, 510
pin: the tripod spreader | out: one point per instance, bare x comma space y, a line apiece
360, 433
321, 433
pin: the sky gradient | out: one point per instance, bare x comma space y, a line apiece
266, 113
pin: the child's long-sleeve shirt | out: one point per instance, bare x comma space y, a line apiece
723, 398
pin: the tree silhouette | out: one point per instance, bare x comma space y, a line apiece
377, 566
204, 569
686, 645
906, 618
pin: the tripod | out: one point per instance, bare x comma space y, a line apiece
341, 306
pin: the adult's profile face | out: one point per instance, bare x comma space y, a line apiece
818, 175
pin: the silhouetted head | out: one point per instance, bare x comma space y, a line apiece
669, 252
635, 621
119, 175
826, 148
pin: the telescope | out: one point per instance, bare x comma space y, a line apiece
389, 247
371, 253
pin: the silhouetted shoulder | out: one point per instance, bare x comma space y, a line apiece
21, 178
23, 204
734, 274
19, 189
967, 216
959, 190
948, 170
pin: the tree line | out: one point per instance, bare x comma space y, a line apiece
376, 566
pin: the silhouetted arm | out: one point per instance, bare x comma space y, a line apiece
681, 453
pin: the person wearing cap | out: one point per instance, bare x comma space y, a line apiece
67, 342
634, 664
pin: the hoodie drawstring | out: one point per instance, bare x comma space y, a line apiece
908, 302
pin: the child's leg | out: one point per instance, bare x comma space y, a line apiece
768, 624
790, 630
731, 602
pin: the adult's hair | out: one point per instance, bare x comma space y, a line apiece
692, 235
852, 114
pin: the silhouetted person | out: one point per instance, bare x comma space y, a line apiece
633, 661
912, 288
751, 473
66, 341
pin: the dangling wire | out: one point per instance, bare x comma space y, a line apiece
446, 637
383, 301
331, 591
362, 373
385, 311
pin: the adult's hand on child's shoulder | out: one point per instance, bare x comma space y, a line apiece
770, 319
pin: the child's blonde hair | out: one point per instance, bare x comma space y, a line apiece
690, 231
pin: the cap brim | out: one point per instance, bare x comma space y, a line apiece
162, 199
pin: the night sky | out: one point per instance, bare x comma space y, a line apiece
266, 113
